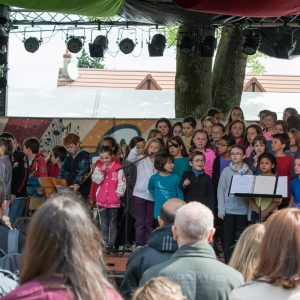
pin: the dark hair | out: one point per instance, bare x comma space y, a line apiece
291, 110
33, 144
212, 112
271, 158
261, 139
175, 125
71, 138
229, 139
237, 146
296, 135
180, 142
114, 145
236, 122
229, 119
194, 154
161, 160
258, 131
106, 149
191, 120
65, 232
132, 144
284, 139
283, 124
264, 111
8, 135
277, 264
293, 122
60, 152
152, 133
8, 146
167, 121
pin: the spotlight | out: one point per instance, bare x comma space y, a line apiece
98, 47
3, 37
74, 44
186, 45
3, 57
32, 44
208, 46
126, 46
157, 45
250, 42
4, 14
285, 47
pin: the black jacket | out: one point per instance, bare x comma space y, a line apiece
4, 229
20, 173
160, 247
200, 189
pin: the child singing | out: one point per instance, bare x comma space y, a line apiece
111, 187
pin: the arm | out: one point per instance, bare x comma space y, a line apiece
253, 205
121, 186
271, 207
151, 186
221, 196
84, 169
98, 174
183, 183
132, 157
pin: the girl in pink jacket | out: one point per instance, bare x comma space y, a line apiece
111, 185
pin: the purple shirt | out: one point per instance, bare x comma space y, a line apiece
224, 163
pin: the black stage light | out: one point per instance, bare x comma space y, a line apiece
98, 47
4, 14
74, 44
285, 47
208, 46
250, 42
157, 45
3, 37
3, 82
126, 46
186, 45
32, 44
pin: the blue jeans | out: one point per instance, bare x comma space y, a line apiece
109, 224
16, 209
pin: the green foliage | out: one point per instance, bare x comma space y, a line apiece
171, 35
85, 61
254, 66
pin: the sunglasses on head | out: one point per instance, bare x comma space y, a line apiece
173, 145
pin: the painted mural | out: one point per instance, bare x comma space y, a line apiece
51, 131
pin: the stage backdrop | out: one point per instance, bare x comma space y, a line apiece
50, 132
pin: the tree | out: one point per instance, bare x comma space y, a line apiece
85, 61
197, 85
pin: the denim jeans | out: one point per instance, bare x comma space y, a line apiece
16, 209
108, 218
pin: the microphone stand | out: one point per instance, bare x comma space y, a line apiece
127, 247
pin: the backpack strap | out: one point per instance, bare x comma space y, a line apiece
13, 241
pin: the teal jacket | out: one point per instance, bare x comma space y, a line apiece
200, 275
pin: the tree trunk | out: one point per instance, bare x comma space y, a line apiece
229, 71
193, 76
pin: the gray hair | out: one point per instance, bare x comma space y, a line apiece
193, 222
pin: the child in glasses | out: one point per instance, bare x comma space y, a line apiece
196, 185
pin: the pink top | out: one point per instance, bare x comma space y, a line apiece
268, 135
209, 160
249, 151
35, 290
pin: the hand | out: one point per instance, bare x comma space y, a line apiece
76, 187
221, 216
12, 198
104, 167
186, 182
140, 145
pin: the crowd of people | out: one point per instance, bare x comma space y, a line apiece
173, 189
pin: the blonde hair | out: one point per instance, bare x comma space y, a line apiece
246, 253
159, 288
149, 143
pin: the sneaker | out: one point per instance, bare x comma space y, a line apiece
110, 248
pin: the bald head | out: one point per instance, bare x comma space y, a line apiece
194, 222
168, 211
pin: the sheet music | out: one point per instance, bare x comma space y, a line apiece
282, 186
242, 184
264, 185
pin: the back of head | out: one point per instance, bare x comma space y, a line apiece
159, 288
194, 222
246, 252
279, 252
169, 209
63, 240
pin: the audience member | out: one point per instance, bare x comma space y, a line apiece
159, 248
194, 265
277, 273
189, 125
62, 258
177, 129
